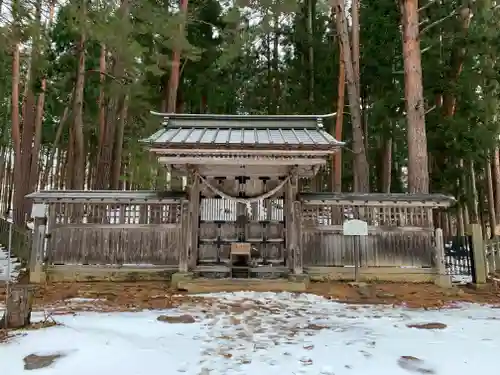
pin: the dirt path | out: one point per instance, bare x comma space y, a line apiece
135, 296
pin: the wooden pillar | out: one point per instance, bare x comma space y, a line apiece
35, 264
439, 257
298, 265
496, 247
442, 279
185, 239
194, 202
478, 254
290, 195
51, 222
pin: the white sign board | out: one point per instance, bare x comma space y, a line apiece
39, 210
355, 227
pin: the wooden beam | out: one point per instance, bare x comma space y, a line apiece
388, 203
105, 196
290, 196
372, 229
114, 226
194, 201
249, 152
185, 241
252, 171
238, 161
298, 262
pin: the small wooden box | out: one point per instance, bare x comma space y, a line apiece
240, 248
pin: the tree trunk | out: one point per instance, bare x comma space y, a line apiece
10, 183
18, 214
386, 166
418, 169
118, 147
269, 71
276, 59
173, 83
496, 175
355, 42
19, 305
35, 152
3, 177
362, 178
460, 221
337, 167
102, 108
39, 111
474, 195
105, 159
78, 162
173, 87
44, 182
27, 133
310, 49
491, 199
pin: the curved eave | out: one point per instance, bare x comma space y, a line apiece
212, 116
423, 200
104, 196
332, 148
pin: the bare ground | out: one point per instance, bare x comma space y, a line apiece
108, 296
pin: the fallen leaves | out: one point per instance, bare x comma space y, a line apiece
158, 295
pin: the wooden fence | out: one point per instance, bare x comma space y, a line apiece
120, 229
21, 240
111, 228
492, 256
401, 232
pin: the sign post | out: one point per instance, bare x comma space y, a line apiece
355, 228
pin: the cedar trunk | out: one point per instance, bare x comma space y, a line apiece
173, 87
418, 169
337, 167
361, 180
491, 201
77, 178
108, 128
496, 175
18, 215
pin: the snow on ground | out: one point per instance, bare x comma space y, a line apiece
265, 333
4, 266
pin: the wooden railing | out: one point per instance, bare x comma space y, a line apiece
400, 232
492, 255
111, 228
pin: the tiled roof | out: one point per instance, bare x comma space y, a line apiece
215, 130
312, 137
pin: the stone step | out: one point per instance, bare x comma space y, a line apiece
202, 285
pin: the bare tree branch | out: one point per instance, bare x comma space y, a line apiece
427, 5
435, 23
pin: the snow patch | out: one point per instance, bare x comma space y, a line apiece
264, 333
4, 266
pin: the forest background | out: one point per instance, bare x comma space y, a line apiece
415, 86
